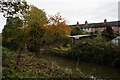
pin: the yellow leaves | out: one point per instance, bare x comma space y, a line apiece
59, 24
56, 19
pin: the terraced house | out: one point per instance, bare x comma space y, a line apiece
91, 27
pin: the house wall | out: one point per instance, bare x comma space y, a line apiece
102, 29
119, 29
116, 29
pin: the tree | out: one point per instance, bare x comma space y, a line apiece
59, 23
56, 31
14, 37
108, 33
14, 8
11, 8
12, 33
76, 30
35, 22
35, 15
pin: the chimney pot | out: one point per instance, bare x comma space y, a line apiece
86, 22
105, 20
77, 23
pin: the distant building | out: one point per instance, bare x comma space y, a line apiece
91, 27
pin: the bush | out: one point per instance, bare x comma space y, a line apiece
35, 68
76, 30
96, 50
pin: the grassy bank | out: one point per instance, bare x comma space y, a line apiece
96, 50
31, 67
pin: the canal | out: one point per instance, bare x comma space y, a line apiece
88, 69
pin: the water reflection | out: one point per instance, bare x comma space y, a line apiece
87, 69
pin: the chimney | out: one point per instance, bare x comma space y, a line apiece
86, 22
77, 23
105, 20
105, 24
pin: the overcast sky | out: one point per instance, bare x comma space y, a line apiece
77, 10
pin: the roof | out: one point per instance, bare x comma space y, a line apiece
117, 38
81, 36
97, 25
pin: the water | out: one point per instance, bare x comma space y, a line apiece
87, 69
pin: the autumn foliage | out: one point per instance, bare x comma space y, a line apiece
37, 31
59, 24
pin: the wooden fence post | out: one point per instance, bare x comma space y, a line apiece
118, 42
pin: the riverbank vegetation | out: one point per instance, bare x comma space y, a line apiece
32, 67
38, 34
97, 50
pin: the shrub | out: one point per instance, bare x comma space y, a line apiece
76, 30
38, 68
96, 50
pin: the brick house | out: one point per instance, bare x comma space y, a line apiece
91, 27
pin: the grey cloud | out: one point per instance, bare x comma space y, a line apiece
106, 10
78, 10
